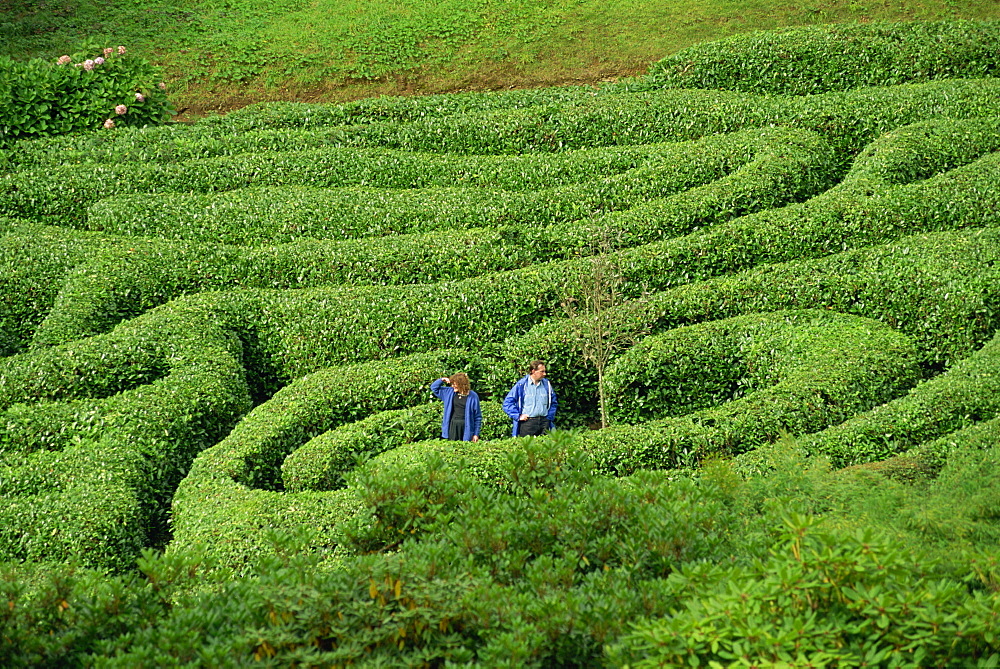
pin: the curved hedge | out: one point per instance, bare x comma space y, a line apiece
821, 363
817, 59
271, 126
322, 462
60, 195
96, 434
940, 289
790, 371
862, 212
134, 276
966, 394
231, 495
283, 214
848, 120
34, 261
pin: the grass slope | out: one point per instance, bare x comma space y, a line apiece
221, 54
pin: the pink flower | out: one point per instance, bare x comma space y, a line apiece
163, 86
98, 61
64, 59
108, 51
121, 109
110, 123
121, 51
139, 97
88, 65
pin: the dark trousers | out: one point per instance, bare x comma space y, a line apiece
533, 427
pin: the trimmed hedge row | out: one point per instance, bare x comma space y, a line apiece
946, 328
817, 59
857, 214
284, 214
805, 367
91, 478
790, 371
271, 126
940, 289
854, 215
784, 164
34, 260
848, 120
321, 463
966, 394
60, 195
231, 495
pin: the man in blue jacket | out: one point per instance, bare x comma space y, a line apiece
531, 403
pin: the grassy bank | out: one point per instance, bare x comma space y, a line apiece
221, 54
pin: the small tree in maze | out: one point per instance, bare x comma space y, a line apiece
602, 318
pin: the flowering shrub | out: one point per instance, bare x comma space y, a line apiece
79, 92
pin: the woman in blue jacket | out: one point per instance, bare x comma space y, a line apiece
462, 416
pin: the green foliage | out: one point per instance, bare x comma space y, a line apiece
821, 365
84, 91
96, 435
817, 59
322, 462
800, 264
561, 567
879, 605
233, 491
967, 393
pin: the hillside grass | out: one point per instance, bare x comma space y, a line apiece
222, 54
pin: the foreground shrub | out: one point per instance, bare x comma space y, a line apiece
557, 568
822, 598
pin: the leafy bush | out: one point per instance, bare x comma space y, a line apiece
563, 568
39, 98
879, 607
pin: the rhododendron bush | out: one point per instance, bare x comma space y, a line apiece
91, 89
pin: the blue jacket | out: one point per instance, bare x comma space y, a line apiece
515, 400
473, 415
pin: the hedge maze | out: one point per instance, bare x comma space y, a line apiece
205, 328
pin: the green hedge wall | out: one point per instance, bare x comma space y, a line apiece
940, 289
818, 59
134, 276
61, 194
272, 126
231, 496
756, 376
849, 120
322, 462
34, 260
821, 365
966, 394
96, 435
283, 214
863, 211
